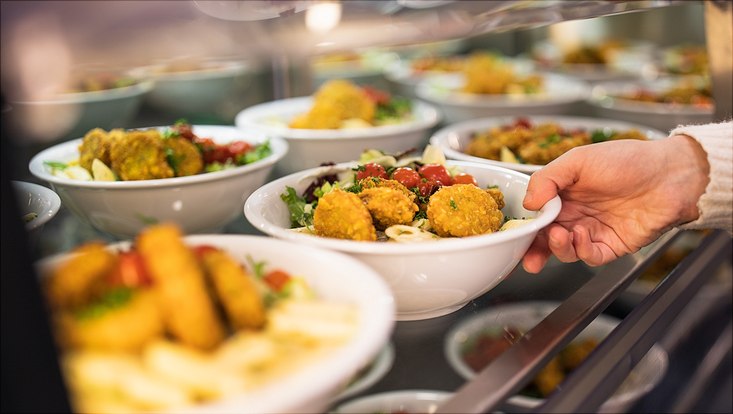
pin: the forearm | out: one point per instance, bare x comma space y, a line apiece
715, 204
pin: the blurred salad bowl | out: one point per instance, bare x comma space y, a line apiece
333, 135
503, 141
457, 241
296, 329
146, 182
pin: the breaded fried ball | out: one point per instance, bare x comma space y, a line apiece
96, 144
140, 155
78, 280
388, 206
334, 102
184, 157
497, 195
126, 328
462, 210
342, 215
373, 182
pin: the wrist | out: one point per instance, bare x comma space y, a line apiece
689, 165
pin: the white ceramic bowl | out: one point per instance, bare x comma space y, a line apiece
311, 147
665, 117
404, 401
71, 115
198, 203
404, 79
428, 279
562, 94
525, 315
334, 277
369, 375
454, 139
201, 90
36, 199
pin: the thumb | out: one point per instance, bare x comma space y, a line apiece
549, 181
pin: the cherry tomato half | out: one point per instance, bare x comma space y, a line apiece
406, 176
276, 279
130, 271
379, 97
427, 187
464, 178
436, 172
371, 170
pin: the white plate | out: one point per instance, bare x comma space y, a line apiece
560, 95
454, 139
524, 316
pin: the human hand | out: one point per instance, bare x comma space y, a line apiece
617, 197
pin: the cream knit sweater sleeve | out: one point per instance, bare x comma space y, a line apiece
716, 204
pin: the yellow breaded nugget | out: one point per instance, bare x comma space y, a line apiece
179, 282
73, 282
236, 290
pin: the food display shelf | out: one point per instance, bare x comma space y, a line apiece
669, 315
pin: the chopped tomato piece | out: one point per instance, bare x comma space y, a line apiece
379, 97
436, 172
371, 170
464, 178
276, 279
130, 271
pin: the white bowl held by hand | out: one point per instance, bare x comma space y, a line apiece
311, 147
454, 139
561, 94
428, 279
524, 316
198, 203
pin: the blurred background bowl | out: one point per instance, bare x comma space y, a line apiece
198, 203
333, 277
37, 204
193, 87
454, 139
311, 147
70, 115
523, 316
562, 95
615, 100
428, 279
403, 401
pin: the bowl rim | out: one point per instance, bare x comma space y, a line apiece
440, 137
465, 328
375, 328
425, 90
279, 149
601, 96
139, 88
271, 191
47, 194
221, 69
248, 118
417, 394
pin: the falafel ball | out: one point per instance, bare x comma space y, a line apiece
497, 195
183, 156
462, 210
96, 144
388, 206
374, 182
342, 215
140, 155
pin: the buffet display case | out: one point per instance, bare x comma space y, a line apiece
686, 313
